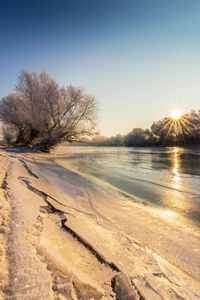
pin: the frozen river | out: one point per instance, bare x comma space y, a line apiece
166, 178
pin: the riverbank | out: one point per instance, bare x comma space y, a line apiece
65, 237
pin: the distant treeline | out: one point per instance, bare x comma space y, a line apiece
168, 132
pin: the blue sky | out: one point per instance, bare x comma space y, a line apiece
139, 58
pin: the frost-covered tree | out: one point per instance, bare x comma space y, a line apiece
41, 111
7, 134
139, 137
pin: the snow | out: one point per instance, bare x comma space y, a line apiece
65, 237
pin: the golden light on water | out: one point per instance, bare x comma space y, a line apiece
176, 198
175, 170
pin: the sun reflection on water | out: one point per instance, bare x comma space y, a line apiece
175, 198
176, 178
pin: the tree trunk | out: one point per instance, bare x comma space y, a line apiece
33, 134
20, 138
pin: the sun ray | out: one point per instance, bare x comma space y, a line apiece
188, 129
184, 125
185, 120
166, 120
181, 131
170, 120
168, 131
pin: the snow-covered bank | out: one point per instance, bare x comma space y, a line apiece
64, 237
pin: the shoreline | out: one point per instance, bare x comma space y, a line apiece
82, 237
139, 189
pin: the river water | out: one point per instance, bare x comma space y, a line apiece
167, 178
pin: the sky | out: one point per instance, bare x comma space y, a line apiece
139, 58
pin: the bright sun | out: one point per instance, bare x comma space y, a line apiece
177, 123
176, 114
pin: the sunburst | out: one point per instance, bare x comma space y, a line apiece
177, 122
